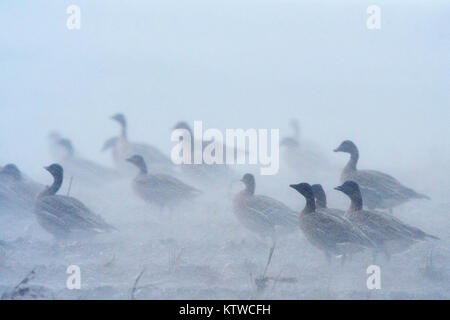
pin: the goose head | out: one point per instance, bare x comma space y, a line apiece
319, 195
249, 180
182, 125
347, 146
55, 170
120, 118
303, 188
349, 188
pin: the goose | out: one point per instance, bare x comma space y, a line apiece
321, 201
82, 169
379, 190
334, 235
10, 172
64, 216
263, 215
388, 232
16, 189
160, 189
124, 149
207, 175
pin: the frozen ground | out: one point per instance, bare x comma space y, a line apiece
202, 252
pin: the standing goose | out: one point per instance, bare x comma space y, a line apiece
63, 216
123, 149
321, 201
207, 175
378, 189
386, 231
332, 234
160, 189
263, 215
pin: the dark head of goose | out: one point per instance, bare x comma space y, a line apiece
182, 125
120, 118
55, 170
139, 162
351, 189
319, 194
347, 146
249, 181
305, 189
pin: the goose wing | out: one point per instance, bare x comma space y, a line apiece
70, 213
272, 213
382, 227
174, 184
336, 230
400, 227
382, 185
164, 184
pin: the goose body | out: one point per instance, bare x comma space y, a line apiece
386, 231
332, 234
63, 216
263, 215
160, 189
379, 190
206, 175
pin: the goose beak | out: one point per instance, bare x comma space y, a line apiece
339, 188
336, 150
292, 186
46, 168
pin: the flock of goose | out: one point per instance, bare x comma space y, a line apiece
159, 182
